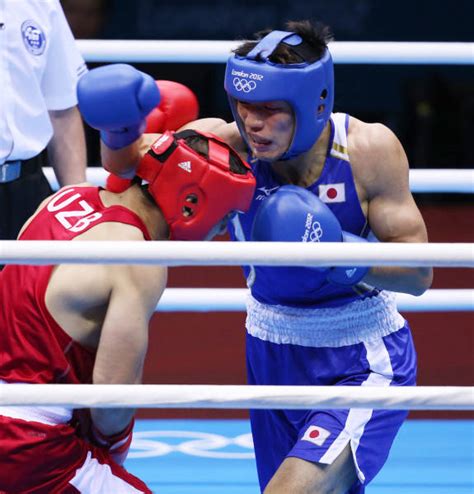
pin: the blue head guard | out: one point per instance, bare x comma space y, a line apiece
307, 87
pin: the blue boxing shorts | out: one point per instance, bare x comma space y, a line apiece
321, 435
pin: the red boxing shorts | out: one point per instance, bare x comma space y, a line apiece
42, 457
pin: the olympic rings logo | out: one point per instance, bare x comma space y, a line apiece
146, 444
244, 85
316, 232
313, 230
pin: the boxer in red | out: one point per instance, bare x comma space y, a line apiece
75, 324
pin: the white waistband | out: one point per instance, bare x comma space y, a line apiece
44, 415
359, 321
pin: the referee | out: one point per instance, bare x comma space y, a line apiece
39, 68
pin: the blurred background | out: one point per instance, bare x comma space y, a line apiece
429, 107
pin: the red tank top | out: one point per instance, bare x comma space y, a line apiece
33, 347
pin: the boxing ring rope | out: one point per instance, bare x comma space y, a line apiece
421, 180
181, 253
233, 300
205, 51
227, 253
238, 396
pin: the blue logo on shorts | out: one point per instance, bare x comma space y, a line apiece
33, 37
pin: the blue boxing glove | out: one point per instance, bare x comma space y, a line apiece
116, 99
348, 276
293, 214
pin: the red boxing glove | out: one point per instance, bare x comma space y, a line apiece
117, 184
178, 106
117, 445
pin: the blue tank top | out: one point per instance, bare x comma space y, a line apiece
300, 286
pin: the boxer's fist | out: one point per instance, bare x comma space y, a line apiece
116, 99
178, 106
293, 214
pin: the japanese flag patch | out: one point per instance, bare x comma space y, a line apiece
332, 192
316, 435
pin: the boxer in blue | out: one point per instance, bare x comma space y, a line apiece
321, 176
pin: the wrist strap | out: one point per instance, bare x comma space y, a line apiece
113, 440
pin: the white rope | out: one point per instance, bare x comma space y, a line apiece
421, 180
233, 300
442, 180
202, 51
235, 396
178, 253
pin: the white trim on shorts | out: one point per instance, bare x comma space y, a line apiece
94, 477
357, 418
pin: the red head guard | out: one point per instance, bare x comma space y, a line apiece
193, 192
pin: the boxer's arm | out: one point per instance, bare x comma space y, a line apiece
213, 125
228, 132
135, 291
123, 161
392, 213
